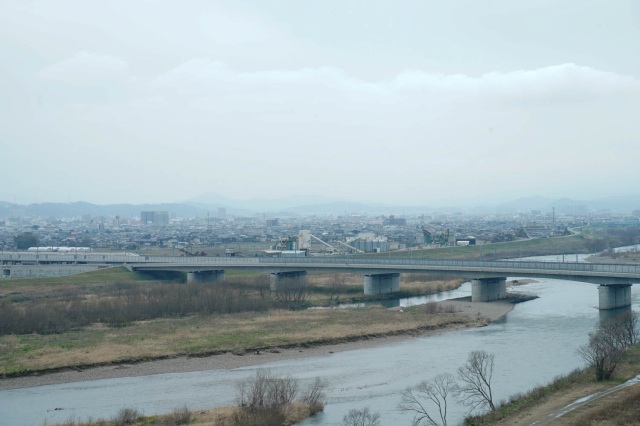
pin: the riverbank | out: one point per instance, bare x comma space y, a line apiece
477, 314
578, 399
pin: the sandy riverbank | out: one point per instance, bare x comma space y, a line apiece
491, 311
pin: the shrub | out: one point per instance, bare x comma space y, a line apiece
608, 342
266, 417
264, 391
265, 399
126, 416
361, 418
314, 395
438, 308
180, 416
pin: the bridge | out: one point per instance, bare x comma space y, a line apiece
381, 274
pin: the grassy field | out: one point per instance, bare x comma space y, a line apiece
198, 334
203, 335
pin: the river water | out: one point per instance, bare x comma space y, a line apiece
534, 343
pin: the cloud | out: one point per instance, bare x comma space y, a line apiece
565, 81
201, 73
86, 68
329, 97
348, 136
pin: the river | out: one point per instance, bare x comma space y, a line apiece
534, 343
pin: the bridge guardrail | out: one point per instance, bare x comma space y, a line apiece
334, 260
562, 266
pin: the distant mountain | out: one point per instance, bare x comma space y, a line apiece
338, 207
301, 205
258, 205
77, 209
525, 204
308, 205
622, 204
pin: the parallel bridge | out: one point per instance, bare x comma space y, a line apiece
381, 274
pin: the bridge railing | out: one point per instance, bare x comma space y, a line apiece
118, 258
510, 265
324, 261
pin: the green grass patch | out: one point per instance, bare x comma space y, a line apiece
118, 274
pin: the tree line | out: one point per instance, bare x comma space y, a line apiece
124, 304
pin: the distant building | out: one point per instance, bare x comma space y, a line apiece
468, 241
368, 242
272, 222
395, 221
157, 218
574, 210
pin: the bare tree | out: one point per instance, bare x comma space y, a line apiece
292, 293
475, 377
608, 342
314, 395
336, 284
436, 391
631, 325
264, 391
265, 399
603, 353
361, 418
623, 328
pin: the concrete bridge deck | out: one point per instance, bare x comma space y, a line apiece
381, 273
588, 272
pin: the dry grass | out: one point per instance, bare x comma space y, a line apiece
98, 344
618, 408
222, 416
208, 335
622, 408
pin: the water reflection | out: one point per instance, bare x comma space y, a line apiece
606, 314
463, 291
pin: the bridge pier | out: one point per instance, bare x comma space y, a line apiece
205, 276
488, 289
277, 278
614, 296
381, 283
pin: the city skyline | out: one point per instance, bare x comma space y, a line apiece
413, 103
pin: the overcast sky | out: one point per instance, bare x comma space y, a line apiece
412, 102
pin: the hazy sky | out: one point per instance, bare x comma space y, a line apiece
412, 102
